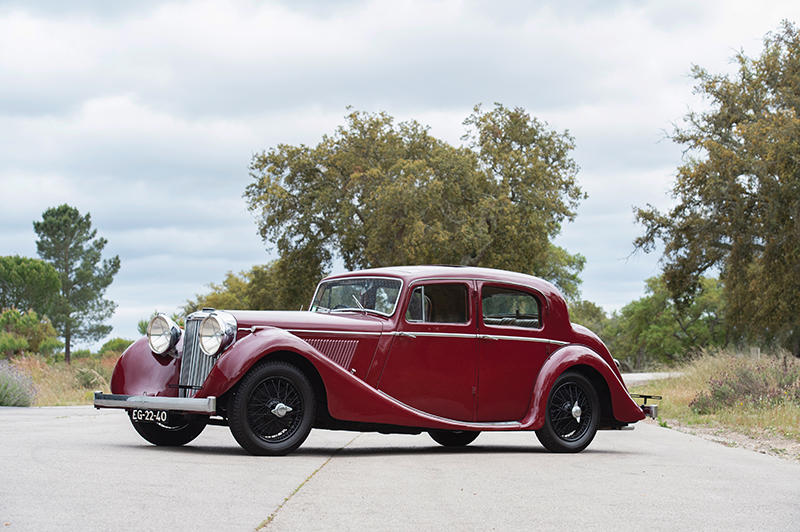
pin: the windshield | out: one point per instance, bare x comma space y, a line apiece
363, 294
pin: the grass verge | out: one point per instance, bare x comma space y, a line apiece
61, 384
754, 396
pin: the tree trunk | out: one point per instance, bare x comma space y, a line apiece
67, 336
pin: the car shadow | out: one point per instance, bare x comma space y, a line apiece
372, 450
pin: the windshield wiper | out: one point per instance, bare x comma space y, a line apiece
360, 306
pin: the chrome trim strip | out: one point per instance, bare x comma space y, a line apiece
417, 333
339, 278
477, 336
476, 424
318, 331
207, 405
522, 339
413, 334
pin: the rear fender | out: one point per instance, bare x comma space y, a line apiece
623, 407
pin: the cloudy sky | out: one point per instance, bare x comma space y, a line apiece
146, 114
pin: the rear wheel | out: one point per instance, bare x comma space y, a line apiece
273, 409
573, 411
179, 429
453, 438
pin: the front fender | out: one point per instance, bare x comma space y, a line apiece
623, 407
140, 372
238, 360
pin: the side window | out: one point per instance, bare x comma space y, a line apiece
439, 303
505, 306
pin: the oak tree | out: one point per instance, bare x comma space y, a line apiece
380, 193
738, 194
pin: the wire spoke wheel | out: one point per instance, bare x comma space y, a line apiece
566, 425
273, 409
572, 414
268, 394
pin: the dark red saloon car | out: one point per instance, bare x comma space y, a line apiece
451, 351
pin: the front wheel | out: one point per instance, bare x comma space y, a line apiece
273, 409
179, 429
573, 411
453, 438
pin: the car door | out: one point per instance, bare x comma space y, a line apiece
512, 348
432, 364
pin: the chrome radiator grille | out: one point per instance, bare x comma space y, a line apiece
195, 365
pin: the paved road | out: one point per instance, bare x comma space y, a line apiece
75, 468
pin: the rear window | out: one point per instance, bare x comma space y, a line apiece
509, 307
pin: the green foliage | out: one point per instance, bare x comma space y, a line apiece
589, 315
738, 194
68, 242
115, 345
653, 329
376, 193
25, 331
766, 382
279, 285
15, 388
28, 284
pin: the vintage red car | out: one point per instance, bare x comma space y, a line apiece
448, 350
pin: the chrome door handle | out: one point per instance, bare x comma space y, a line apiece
407, 335
487, 337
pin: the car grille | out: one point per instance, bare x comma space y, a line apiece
195, 365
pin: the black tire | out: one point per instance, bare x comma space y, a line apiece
563, 432
454, 438
255, 426
179, 430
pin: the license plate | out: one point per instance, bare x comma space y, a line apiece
149, 416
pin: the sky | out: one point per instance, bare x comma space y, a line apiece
147, 114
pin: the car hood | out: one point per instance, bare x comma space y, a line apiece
317, 321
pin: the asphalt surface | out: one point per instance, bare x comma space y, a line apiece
76, 468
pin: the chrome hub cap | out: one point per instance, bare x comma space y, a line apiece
281, 410
576, 412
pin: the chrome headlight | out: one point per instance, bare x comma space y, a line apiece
217, 332
162, 334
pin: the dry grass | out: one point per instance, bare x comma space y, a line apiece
754, 396
59, 384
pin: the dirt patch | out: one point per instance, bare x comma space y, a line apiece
764, 442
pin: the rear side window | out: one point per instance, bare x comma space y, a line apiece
439, 303
509, 307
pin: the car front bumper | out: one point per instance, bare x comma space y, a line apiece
206, 405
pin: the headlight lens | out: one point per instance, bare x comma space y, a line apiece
162, 334
217, 332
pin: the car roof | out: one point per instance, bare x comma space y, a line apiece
410, 274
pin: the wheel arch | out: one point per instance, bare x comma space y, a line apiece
617, 406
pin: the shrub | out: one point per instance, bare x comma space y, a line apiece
25, 331
763, 382
115, 345
16, 389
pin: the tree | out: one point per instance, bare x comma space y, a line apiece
738, 194
376, 193
28, 284
68, 242
589, 315
280, 285
26, 331
655, 329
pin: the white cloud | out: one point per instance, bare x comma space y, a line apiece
147, 114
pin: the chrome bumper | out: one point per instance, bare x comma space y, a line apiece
206, 405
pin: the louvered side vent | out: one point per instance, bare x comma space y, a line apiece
195, 365
340, 351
